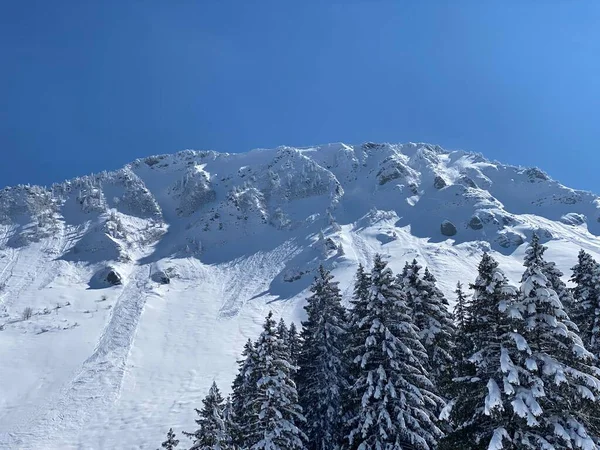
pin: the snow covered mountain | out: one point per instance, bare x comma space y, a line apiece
142, 285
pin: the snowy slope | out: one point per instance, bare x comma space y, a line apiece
102, 366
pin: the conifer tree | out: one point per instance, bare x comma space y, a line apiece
294, 343
322, 376
461, 316
552, 273
284, 335
355, 340
558, 357
439, 334
212, 433
171, 442
274, 424
394, 406
463, 348
231, 425
359, 302
493, 395
586, 293
283, 332
244, 387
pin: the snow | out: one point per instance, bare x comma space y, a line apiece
496, 443
493, 399
116, 367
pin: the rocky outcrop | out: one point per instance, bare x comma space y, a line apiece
448, 228
114, 278
439, 182
475, 223
467, 182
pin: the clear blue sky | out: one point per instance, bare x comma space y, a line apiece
91, 85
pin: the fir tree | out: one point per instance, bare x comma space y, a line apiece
294, 344
283, 332
273, 426
284, 336
359, 302
362, 284
494, 397
439, 334
586, 293
321, 375
171, 442
549, 269
394, 406
212, 433
463, 348
355, 340
231, 424
461, 315
244, 387
558, 357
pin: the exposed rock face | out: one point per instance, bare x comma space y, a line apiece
467, 182
439, 182
448, 228
508, 239
475, 223
161, 277
113, 278
573, 219
105, 278
330, 244
535, 175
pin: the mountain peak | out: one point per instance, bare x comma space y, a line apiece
138, 276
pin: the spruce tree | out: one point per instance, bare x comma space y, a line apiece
461, 315
359, 302
294, 344
494, 396
212, 433
355, 340
552, 273
586, 293
392, 396
439, 334
283, 332
463, 348
560, 360
171, 442
231, 425
321, 375
244, 387
274, 423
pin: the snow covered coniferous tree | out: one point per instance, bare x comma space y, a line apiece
212, 433
492, 394
171, 442
586, 293
355, 340
392, 399
461, 314
322, 375
293, 343
283, 332
571, 388
439, 333
276, 412
244, 390
463, 347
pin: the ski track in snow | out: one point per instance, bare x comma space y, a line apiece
97, 385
